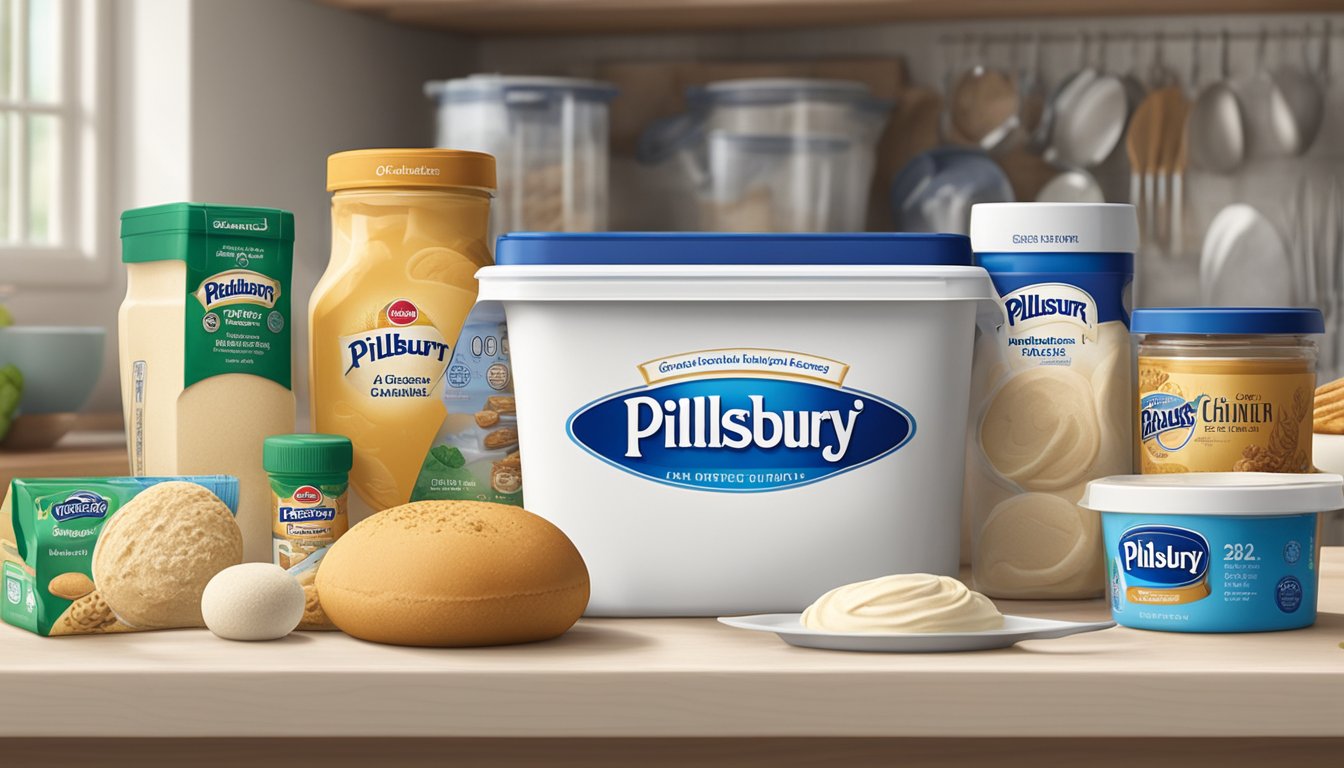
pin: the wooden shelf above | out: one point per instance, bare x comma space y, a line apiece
507, 17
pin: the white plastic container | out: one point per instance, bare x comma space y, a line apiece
633, 355
1213, 551
549, 136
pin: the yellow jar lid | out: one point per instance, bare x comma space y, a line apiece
418, 168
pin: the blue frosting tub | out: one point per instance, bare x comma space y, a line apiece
1213, 551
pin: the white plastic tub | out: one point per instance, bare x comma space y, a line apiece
619, 339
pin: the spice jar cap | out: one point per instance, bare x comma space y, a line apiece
411, 168
307, 454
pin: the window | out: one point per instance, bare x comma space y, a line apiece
51, 146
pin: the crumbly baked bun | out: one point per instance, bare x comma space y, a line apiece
157, 553
453, 573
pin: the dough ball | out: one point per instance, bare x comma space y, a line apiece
156, 554
252, 601
1040, 430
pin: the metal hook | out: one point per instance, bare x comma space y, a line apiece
1224, 66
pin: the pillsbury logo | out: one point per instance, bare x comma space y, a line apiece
238, 286
79, 504
740, 433
1168, 419
1046, 303
1164, 556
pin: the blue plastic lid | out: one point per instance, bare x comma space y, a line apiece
876, 248
1228, 321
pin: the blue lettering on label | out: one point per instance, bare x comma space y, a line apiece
306, 514
1169, 419
740, 434
216, 292
382, 346
1030, 305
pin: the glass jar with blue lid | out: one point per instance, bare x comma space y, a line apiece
1226, 389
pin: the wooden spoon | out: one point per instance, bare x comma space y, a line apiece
1142, 148
1172, 138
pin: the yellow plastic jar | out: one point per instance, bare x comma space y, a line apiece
1226, 389
409, 230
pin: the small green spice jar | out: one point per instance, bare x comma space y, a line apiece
309, 475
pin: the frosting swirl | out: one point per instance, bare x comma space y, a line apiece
907, 602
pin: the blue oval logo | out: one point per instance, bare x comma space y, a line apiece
1169, 419
740, 434
79, 504
1164, 555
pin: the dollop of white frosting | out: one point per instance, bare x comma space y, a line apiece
906, 602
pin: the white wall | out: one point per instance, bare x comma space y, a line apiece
280, 84
241, 101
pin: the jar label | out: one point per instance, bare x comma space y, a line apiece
1223, 421
309, 517
238, 305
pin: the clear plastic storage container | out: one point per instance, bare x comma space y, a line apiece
549, 139
774, 154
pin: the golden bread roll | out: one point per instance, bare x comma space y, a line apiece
453, 573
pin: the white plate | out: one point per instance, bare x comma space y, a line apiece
1015, 629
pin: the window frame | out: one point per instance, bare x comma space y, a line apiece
86, 71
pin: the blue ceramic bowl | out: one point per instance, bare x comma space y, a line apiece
60, 365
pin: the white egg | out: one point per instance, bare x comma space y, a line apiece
252, 601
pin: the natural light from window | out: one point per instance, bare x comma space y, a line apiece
49, 69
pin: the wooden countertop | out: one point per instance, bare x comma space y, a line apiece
86, 453
684, 678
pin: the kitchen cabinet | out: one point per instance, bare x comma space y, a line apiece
609, 16
620, 691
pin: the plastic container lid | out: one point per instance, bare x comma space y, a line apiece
1054, 228
411, 168
1228, 321
681, 266
643, 248
518, 89
1238, 494
779, 90
205, 219
307, 454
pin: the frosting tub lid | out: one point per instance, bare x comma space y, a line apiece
1240, 494
701, 266
1054, 228
1229, 321
677, 248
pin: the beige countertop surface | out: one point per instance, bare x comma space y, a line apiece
684, 677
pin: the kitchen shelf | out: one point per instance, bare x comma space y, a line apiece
651, 678
503, 17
